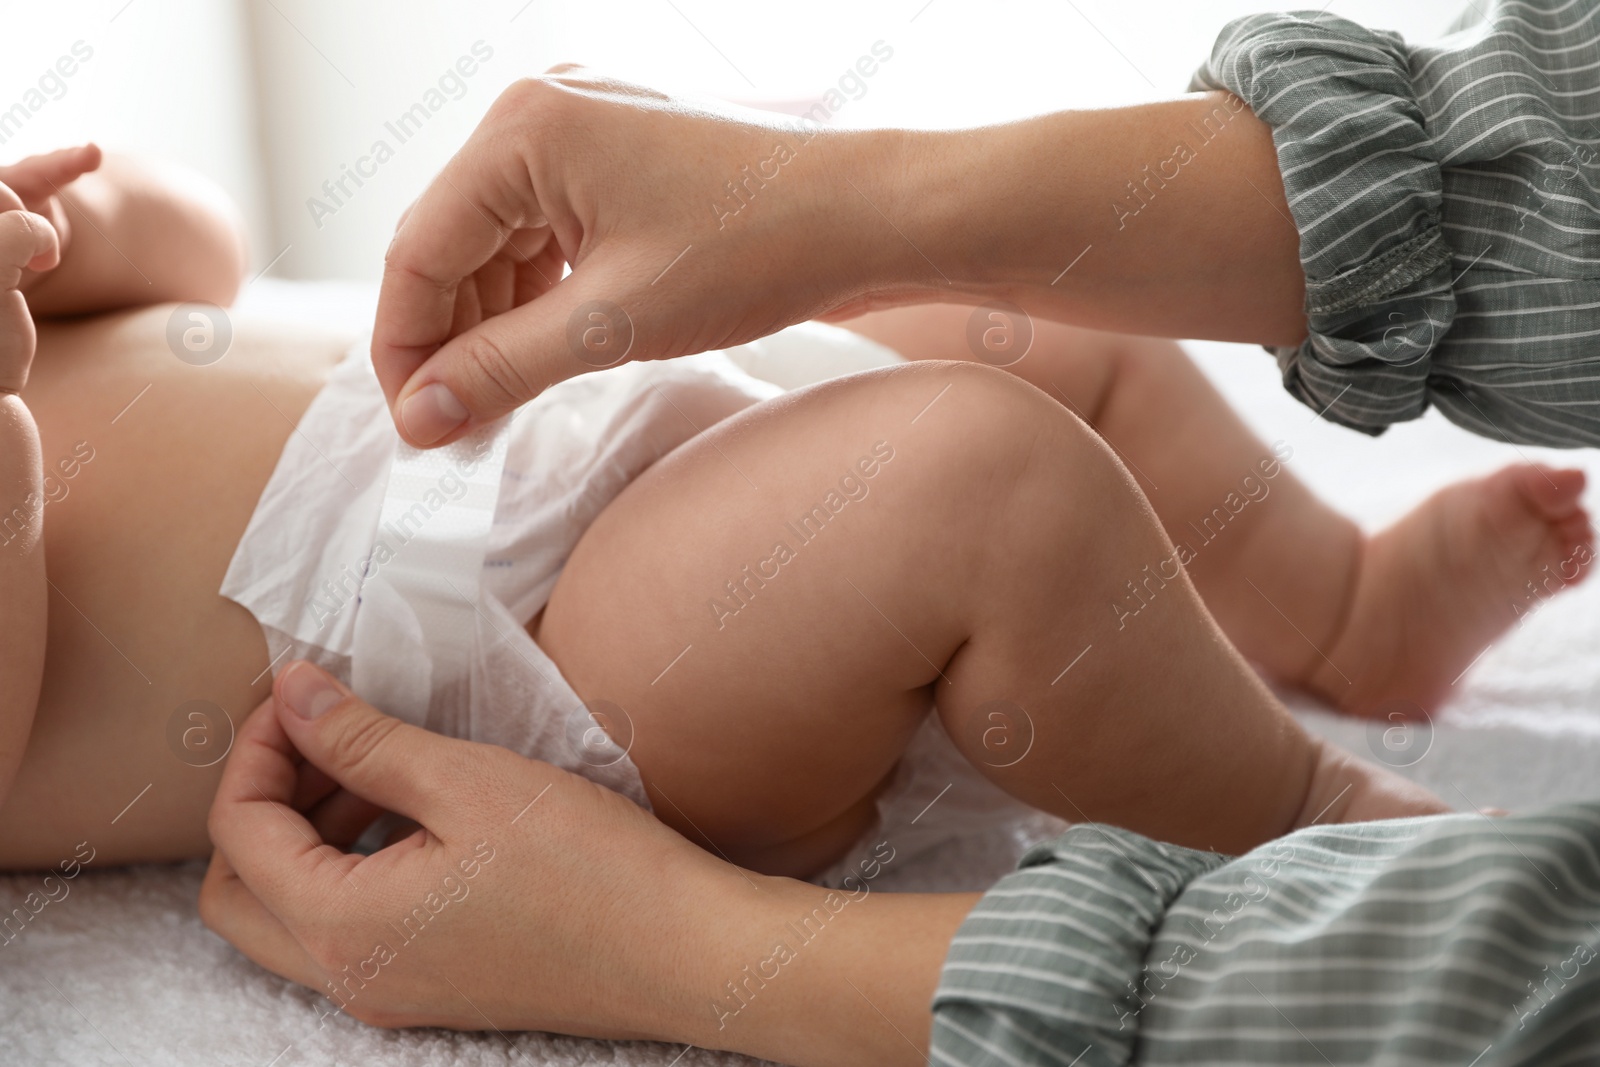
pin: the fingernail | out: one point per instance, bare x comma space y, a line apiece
431, 412
308, 691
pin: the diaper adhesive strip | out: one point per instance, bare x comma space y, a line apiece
414, 636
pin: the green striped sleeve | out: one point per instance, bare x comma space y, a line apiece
1043, 967
1453, 940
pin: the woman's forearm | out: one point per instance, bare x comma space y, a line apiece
1165, 219
589, 917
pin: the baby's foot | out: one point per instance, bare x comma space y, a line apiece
1346, 789
1433, 590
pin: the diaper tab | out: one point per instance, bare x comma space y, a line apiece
416, 627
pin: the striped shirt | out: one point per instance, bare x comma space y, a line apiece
1454, 939
1448, 202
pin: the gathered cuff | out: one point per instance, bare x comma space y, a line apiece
1057, 949
1363, 182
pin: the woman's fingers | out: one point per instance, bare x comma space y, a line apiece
642, 195
281, 888
506, 360
278, 851
458, 223
539, 263
474, 246
342, 817
253, 821
488, 910
392, 764
234, 913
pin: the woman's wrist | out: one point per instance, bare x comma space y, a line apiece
955, 214
890, 207
786, 970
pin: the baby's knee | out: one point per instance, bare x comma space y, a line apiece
989, 433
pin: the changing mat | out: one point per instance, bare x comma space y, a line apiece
122, 971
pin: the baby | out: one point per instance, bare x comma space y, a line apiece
736, 605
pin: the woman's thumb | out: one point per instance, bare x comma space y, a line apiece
509, 359
379, 758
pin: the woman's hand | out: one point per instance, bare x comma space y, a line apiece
533, 899
528, 899
691, 227
687, 229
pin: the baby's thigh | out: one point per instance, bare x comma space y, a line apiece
767, 607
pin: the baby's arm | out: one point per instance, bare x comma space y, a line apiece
27, 241
132, 233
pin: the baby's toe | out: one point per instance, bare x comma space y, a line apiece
1574, 538
1553, 493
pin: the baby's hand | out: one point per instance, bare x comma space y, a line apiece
38, 181
28, 243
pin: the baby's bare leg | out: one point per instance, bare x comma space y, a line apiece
1190, 453
769, 690
1379, 623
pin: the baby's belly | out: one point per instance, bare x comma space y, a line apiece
154, 467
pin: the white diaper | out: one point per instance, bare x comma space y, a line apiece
411, 575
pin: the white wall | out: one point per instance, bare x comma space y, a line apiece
169, 78
275, 97
331, 76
